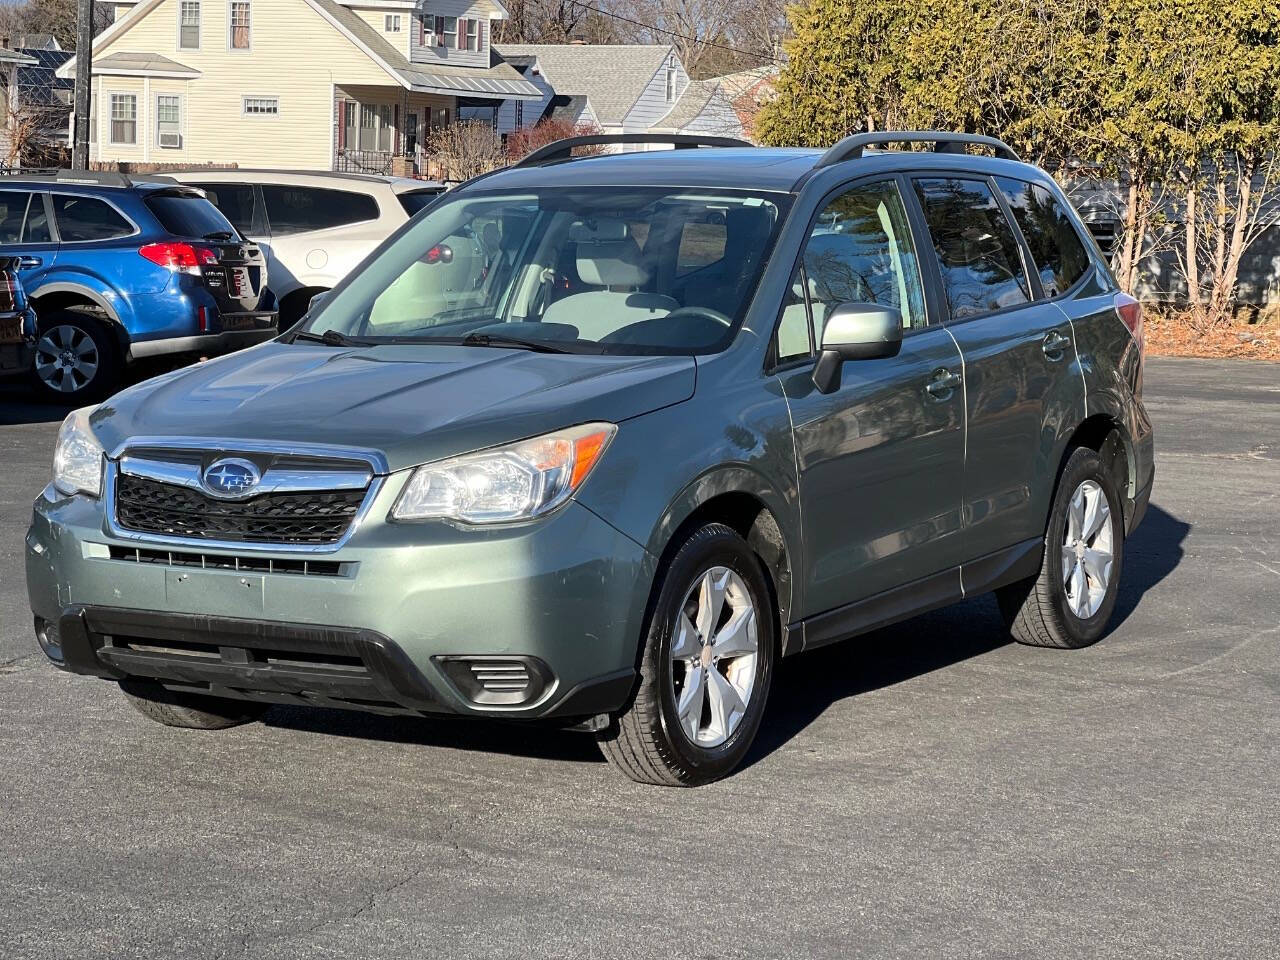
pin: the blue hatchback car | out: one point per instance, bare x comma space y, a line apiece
119, 268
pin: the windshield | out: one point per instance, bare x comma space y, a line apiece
590, 270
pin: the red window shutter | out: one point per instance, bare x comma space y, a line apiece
342, 124
480, 34
462, 33
422, 29
439, 31
395, 125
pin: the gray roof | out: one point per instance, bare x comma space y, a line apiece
562, 107
612, 76
500, 81
691, 103
145, 62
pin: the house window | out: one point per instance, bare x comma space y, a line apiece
470, 35
391, 23
189, 25
449, 35
519, 114
124, 118
261, 106
168, 120
239, 25
385, 128
671, 84
426, 31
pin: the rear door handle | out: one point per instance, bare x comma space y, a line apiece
943, 382
1054, 343
26, 263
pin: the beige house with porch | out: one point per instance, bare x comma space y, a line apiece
292, 84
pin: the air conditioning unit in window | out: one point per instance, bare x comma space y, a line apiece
172, 141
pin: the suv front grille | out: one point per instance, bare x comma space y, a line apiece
307, 517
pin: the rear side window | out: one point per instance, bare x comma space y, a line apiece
87, 218
415, 201
977, 252
297, 209
22, 217
1059, 255
189, 216
235, 201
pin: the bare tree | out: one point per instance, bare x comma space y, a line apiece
557, 21
466, 149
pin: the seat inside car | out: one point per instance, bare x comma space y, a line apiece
608, 257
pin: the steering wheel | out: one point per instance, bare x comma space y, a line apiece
696, 311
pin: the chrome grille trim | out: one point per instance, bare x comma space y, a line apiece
222, 445
274, 480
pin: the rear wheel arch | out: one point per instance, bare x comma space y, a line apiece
1105, 435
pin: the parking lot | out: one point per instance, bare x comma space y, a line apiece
929, 790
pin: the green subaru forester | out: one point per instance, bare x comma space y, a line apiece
596, 441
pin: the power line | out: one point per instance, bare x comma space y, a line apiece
679, 36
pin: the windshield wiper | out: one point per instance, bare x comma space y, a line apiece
516, 343
331, 338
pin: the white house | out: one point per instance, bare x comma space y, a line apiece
302, 84
622, 88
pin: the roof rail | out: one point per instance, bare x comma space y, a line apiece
105, 178
850, 148
563, 149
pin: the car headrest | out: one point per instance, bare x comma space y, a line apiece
611, 263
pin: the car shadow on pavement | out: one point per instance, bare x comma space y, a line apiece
805, 686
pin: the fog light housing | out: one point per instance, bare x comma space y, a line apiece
48, 638
498, 681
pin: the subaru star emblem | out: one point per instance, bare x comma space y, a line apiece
231, 477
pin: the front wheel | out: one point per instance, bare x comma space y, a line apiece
1069, 603
705, 670
190, 710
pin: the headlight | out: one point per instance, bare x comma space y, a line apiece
514, 482
77, 458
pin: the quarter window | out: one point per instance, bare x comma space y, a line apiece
261, 106
124, 118
235, 201
239, 25
859, 251
189, 25
298, 209
1056, 248
87, 218
979, 257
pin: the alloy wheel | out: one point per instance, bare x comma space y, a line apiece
1087, 549
713, 657
66, 358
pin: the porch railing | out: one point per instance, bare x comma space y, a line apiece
363, 161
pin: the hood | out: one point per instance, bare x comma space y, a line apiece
412, 403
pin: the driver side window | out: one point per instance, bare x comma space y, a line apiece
860, 251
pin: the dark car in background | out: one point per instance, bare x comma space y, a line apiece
120, 268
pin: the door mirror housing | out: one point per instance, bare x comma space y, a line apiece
856, 331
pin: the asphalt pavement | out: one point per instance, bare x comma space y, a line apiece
930, 790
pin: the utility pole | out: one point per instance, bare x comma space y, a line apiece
84, 85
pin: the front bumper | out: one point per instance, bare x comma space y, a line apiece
382, 626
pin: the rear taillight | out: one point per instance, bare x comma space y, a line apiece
180, 257
1130, 312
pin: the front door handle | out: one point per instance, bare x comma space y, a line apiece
1054, 343
26, 263
943, 382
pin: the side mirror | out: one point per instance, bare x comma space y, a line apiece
856, 331
316, 300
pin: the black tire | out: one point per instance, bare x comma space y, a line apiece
65, 334
1038, 610
645, 741
187, 709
